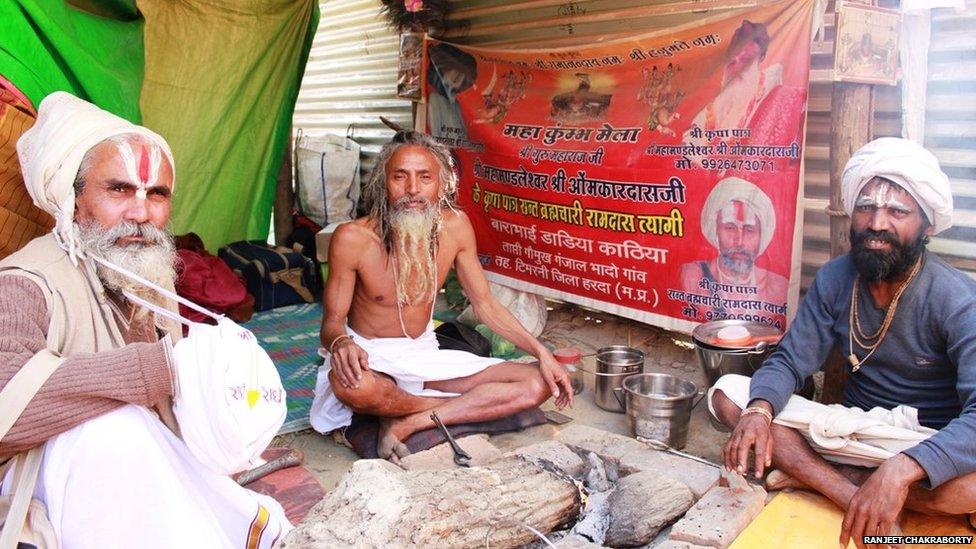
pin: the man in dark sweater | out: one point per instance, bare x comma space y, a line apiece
907, 322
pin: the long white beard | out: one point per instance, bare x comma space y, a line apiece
155, 260
413, 232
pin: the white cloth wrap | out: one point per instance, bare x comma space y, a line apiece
51, 152
911, 167
123, 479
838, 433
229, 400
411, 362
734, 188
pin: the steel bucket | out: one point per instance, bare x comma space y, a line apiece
613, 364
659, 407
718, 359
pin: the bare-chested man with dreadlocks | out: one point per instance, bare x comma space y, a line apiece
384, 272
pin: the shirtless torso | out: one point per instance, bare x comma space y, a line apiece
362, 292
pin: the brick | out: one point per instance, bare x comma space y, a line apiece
719, 516
554, 452
609, 446
698, 477
441, 456
641, 505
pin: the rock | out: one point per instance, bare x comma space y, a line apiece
642, 504
441, 456
556, 453
596, 477
609, 446
720, 516
700, 478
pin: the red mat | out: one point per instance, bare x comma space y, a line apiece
295, 488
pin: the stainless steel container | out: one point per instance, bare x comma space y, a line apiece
659, 407
719, 357
613, 364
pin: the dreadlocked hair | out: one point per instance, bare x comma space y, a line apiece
375, 193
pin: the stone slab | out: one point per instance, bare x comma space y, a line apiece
441, 456
698, 477
609, 446
554, 452
719, 516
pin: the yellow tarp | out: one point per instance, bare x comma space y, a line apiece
811, 521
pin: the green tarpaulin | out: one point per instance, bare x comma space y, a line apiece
217, 79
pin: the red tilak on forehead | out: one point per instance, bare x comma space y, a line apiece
144, 165
740, 210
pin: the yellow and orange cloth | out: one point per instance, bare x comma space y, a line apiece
20, 220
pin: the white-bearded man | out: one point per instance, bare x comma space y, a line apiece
738, 219
907, 322
112, 475
384, 272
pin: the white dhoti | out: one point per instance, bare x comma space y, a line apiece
838, 433
124, 480
410, 362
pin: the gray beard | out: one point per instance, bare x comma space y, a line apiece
413, 233
736, 266
155, 260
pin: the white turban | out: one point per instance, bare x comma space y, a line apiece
911, 167
731, 189
52, 150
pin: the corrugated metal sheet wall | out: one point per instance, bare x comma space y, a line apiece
950, 129
351, 80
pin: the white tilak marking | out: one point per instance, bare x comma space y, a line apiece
155, 160
129, 160
883, 196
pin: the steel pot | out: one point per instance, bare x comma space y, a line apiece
659, 407
718, 358
613, 364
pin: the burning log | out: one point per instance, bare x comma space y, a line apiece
377, 504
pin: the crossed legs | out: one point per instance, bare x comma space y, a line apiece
796, 458
497, 391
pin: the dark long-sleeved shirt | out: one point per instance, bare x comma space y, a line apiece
927, 359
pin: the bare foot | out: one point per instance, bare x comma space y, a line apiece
778, 480
388, 445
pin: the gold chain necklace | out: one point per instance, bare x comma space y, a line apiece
882, 331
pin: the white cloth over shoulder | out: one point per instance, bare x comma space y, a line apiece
411, 362
51, 152
123, 479
838, 433
907, 164
229, 400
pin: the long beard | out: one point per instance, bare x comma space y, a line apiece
154, 260
876, 266
413, 234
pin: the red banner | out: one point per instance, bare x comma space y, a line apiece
656, 177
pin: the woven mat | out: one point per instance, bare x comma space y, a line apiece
290, 335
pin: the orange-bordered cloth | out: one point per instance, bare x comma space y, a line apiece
20, 220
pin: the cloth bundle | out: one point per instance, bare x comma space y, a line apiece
229, 401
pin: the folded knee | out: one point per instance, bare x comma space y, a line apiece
537, 391
726, 411
362, 398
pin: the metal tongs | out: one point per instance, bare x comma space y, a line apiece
461, 457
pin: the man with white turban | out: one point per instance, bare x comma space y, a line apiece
112, 474
906, 321
739, 221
